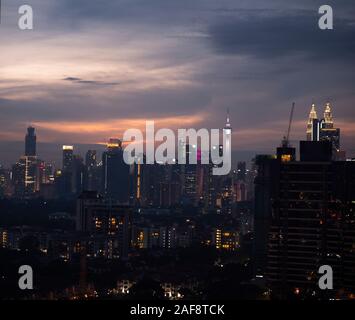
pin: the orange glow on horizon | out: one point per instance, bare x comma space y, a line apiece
116, 127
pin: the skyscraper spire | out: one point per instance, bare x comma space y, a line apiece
312, 116
328, 116
312, 113
228, 124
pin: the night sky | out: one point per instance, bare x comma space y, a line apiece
91, 69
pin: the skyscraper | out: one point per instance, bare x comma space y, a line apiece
312, 222
66, 178
327, 131
190, 177
91, 159
312, 125
30, 142
25, 171
24, 174
68, 152
323, 129
116, 173
267, 168
92, 177
241, 171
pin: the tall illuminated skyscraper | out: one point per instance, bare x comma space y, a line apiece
327, 131
67, 172
25, 171
313, 125
323, 129
68, 158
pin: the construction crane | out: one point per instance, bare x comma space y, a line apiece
286, 139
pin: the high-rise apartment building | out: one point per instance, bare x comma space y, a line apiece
312, 221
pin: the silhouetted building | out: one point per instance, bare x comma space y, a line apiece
2, 182
78, 175
24, 174
189, 176
68, 155
323, 129
312, 221
116, 173
66, 176
92, 172
241, 171
18, 179
107, 222
265, 188
30, 142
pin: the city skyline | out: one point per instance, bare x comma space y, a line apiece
237, 155
177, 156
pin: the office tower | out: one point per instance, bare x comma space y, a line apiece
91, 159
170, 187
107, 222
328, 132
241, 171
312, 222
265, 186
92, 176
323, 129
240, 189
116, 173
66, 176
31, 166
46, 181
139, 189
212, 184
68, 154
138, 175
18, 179
2, 182
78, 175
223, 187
30, 142
24, 177
6, 188
312, 133
25, 171
190, 177
43, 173
157, 185
152, 176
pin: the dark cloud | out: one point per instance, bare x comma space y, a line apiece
93, 82
271, 35
71, 79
